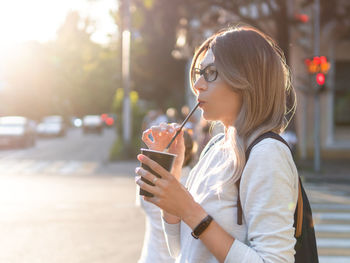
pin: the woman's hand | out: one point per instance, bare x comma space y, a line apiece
169, 194
161, 136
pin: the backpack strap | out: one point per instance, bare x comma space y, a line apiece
300, 210
300, 197
273, 135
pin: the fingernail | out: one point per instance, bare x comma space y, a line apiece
137, 169
140, 157
141, 171
171, 130
139, 182
163, 129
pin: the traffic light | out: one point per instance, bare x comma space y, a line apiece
320, 80
304, 28
318, 67
317, 64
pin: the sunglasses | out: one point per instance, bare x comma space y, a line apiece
209, 73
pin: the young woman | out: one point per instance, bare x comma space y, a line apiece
240, 77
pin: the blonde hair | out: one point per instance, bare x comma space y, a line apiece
253, 65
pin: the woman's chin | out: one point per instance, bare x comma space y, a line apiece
206, 116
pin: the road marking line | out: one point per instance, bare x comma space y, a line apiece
36, 168
330, 259
333, 243
70, 167
88, 168
332, 228
54, 168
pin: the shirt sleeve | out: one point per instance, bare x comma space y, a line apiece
268, 191
172, 237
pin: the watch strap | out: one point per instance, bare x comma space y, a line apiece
203, 225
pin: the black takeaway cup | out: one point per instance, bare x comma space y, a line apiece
166, 160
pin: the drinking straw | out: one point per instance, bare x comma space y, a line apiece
182, 125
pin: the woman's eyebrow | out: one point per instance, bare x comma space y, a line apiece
201, 65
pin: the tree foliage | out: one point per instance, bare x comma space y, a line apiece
69, 76
156, 75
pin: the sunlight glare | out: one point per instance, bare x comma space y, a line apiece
23, 20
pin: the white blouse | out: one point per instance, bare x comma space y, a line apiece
268, 191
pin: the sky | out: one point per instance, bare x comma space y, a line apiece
24, 20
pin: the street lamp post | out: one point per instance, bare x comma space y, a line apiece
126, 73
317, 108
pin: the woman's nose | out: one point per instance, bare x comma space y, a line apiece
200, 84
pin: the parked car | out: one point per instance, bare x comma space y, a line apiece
92, 124
17, 131
52, 126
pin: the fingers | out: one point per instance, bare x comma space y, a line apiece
149, 176
147, 187
155, 200
154, 166
146, 137
162, 129
175, 126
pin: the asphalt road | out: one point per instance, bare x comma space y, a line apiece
62, 202
75, 146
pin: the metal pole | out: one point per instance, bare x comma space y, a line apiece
317, 108
126, 73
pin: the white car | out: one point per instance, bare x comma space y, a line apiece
52, 126
17, 131
92, 123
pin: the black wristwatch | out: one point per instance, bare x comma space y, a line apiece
199, 229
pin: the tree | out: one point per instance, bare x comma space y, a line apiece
156, 75
86, 72
68, 76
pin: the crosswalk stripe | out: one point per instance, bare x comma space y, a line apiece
23, 167
330, 207
87, 168
38, 167
70, 167
333, 216
332, 228
331, 259
54, 167
333, 242
5, 167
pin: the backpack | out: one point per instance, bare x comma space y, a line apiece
305, 247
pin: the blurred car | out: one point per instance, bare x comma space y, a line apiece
17, 131
52, 126
92, 124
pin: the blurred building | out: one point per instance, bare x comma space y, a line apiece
335, 99
296, 17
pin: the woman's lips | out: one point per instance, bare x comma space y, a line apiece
201, 103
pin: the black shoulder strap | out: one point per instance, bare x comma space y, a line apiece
262, 137
247, 153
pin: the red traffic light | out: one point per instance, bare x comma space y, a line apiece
320, 79
303, 18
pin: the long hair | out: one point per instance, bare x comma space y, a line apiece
253, 65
